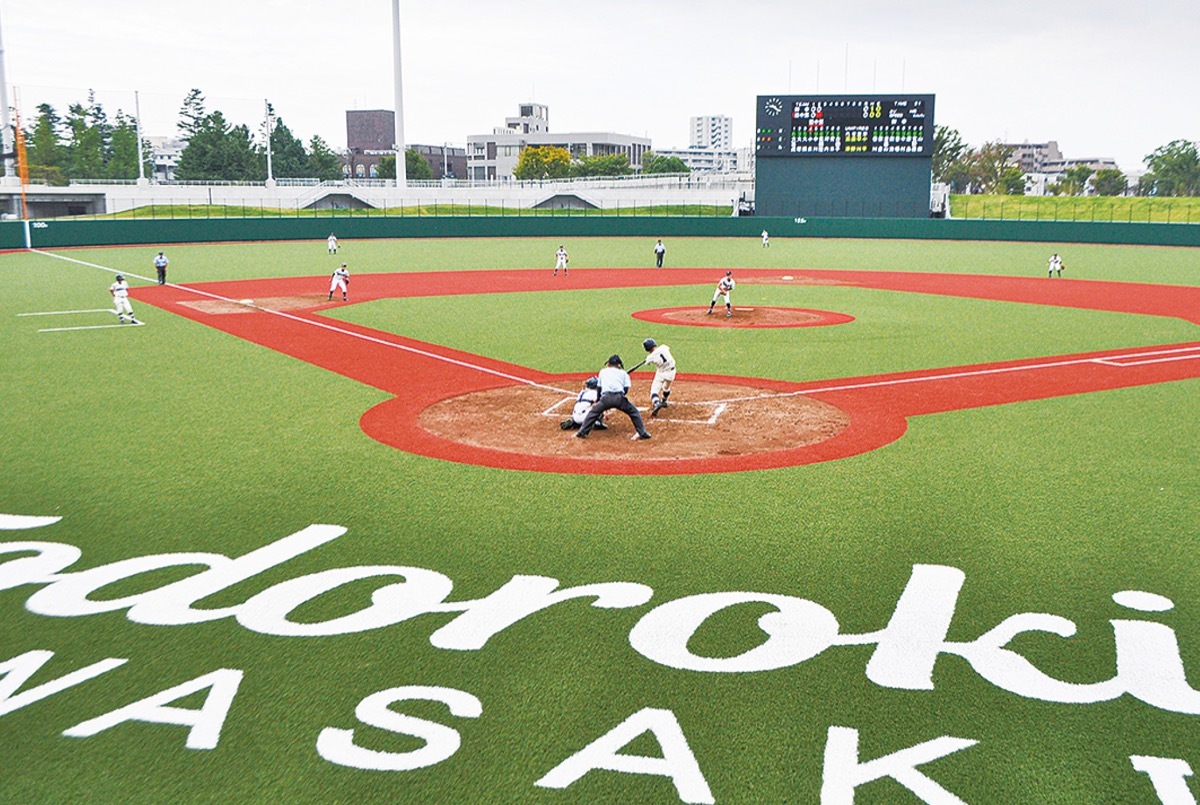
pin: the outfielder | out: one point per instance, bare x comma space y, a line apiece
340, 280
1054, 265
664, 374
332, 244
160, 267
560, 261
120, 295
614, 385
583, 403
724, 287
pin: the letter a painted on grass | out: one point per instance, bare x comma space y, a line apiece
1167, 775
205, 723
843, 773
677, 761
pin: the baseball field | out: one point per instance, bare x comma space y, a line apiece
919, 524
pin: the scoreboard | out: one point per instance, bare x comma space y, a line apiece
844, 125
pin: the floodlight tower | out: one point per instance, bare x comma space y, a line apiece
401, 167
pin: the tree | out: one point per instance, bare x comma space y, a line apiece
948, 148
44, 145
323, 163
387, 167
288, 157
1109, 182
1011, 182
217, 151
415, 166
85, 152
1074, 181
657, 163
543, 162
990, 161
123, 152
191, 114
1175, 168
602, 165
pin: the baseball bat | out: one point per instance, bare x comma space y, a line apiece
639, 366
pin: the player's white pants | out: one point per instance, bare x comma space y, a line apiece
122, 307
662, 382
336, 284
718, 295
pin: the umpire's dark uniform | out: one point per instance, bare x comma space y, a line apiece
614, 383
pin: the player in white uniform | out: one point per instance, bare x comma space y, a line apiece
664, 374
583, 403
724, 288
340, 280
332, 244
766, 240
659, 251
120, 295
1054, 265
560, 261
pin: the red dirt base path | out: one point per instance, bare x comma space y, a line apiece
473, 409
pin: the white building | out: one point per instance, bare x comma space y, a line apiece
494, 156
165, 153
712, 160
713, 132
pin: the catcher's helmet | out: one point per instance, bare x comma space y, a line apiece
649, 344
615, 360
593, 383
120, 278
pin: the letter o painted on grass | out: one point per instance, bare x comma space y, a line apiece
799, 631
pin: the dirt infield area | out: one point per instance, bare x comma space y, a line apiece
704, 420
219, 306
743, 316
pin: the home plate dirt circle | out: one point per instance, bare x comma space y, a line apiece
705, 420
743, 316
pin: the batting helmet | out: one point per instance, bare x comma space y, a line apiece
615, 360
120, 278
593, 383
649, 344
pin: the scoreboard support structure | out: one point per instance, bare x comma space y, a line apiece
854, 156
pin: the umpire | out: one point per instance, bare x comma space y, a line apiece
614, 385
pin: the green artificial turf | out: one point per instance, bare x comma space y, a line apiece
174, 437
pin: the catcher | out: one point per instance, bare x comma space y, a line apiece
583, 403
724, 288
664, 374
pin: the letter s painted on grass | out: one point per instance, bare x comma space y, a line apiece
337, 746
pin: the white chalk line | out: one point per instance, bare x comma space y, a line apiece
1119, 361
329, 327
553, 411
136, 323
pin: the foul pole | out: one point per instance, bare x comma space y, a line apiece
401, 167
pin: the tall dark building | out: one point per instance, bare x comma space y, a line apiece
370, 130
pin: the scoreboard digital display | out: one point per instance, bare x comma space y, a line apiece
845, 125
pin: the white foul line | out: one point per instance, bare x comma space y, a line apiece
93, 327
329, 327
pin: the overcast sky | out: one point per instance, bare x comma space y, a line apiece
1104, 78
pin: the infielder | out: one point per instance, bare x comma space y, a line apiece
664, 374
1054, 265
724, 288
614, 385
560, 261
340, 280
583, 403
332, 244
160, 266
120, 295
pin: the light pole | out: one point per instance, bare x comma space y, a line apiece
401, 167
